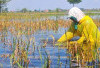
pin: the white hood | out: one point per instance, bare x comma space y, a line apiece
76, 12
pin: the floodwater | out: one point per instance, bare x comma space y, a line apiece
58, 57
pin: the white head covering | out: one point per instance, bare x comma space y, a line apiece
76, 12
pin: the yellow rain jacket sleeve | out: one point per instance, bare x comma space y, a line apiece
68, 35
87, 31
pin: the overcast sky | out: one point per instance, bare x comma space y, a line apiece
50, 4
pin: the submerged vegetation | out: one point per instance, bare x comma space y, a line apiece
17, 36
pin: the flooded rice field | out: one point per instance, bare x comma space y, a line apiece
29, 42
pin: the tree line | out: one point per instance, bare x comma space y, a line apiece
4, 2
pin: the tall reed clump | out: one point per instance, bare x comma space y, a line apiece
19, 57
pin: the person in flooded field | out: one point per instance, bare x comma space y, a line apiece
84, 27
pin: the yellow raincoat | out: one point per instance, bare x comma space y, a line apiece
87, 31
